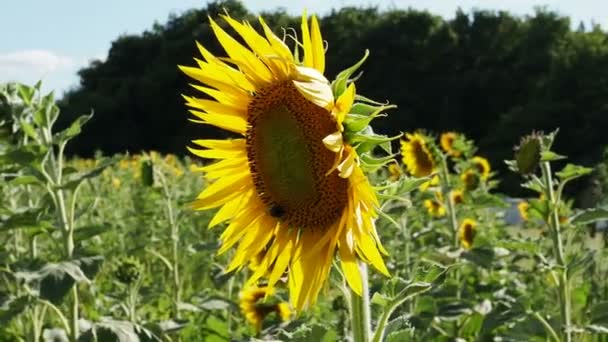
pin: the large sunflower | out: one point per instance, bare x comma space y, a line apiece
291, 188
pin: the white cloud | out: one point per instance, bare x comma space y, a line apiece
57, 72
32, 62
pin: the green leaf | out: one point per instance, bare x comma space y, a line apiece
218, 303
26, 93
499, 316
23, 155
430, 272
25, 180
598, 313
339, 84
314, 332
370, 163
110, 330
590, 216
379, 299
580, 263
572, 171
28, 129
550, 156
74, 129
486, 200
30, 218
399, 336
481, 256
11, 307
57, 279
73, 180
87, 232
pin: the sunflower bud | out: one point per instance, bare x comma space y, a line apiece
128, 270
527, 154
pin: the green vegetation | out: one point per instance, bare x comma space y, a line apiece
106, 249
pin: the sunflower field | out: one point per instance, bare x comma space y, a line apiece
303, 225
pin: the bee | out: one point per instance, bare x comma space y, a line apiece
276, 211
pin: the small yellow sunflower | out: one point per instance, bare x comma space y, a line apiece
255, 309
470, 179
523, 207
291, 185
466, 233
416, 155
446, 141
482, 166
434, 208
457, 196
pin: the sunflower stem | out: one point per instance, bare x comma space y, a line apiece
360, 309
558, 250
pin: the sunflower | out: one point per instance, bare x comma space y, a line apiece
522, 207
434, 208
482, 166
470, 179
446, 141
416, 155
291, 185
457, 196
466, 233
254, 308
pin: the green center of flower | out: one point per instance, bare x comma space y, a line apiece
288, 160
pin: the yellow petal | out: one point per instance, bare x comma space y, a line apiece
214, 107
318, 50
348, 165
230, 123
350, 269
230, 209
244, 58
344, 103
219, 149
307, 43
222, 191
226, 167
279, 46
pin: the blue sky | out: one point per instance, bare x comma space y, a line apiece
51, 40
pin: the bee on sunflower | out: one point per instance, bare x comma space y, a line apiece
293, 183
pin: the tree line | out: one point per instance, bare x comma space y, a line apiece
491, 75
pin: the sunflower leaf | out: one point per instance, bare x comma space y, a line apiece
339, 84
572, 171
590, 216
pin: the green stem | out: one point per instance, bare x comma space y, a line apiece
547, 326
360, 309
445, 191
558, 250
174, 245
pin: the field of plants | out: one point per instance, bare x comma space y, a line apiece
110, 248
307, 227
